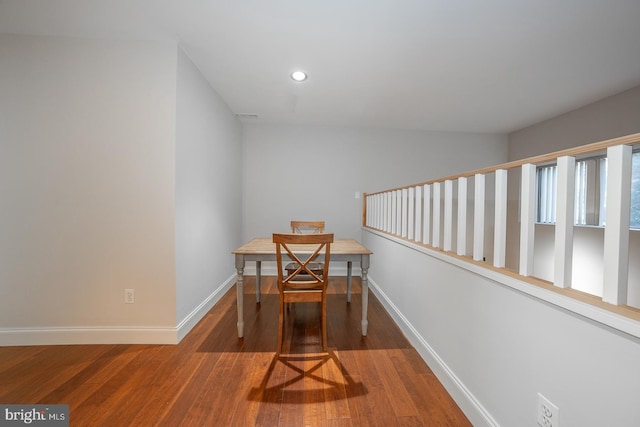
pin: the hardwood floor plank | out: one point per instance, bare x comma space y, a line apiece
335, 394
212, 404
393, 384
291, 412
270, 394
377, 395
180, 410
411, 421
12, 356
341, 422
434, 403
246, 410
62, 362
447, 411
92, 376
314, 408
214, 378
110, 400
168, 386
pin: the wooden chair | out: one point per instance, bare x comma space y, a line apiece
303, 284
306, 227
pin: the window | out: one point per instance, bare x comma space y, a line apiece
546, 180
590, 192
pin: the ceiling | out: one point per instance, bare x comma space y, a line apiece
448, 65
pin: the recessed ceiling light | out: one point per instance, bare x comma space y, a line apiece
298, 76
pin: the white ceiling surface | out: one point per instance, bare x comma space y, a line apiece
447, 65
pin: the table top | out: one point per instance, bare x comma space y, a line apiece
265, 245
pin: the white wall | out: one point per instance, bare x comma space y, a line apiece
86, 187
312, 173
208, 191
495, 348
609, 118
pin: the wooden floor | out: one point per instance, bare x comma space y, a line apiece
212, 378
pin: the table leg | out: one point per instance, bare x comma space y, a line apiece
349, 281
364, 264
240, 294
258, 280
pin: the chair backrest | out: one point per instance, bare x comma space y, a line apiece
307, 227
303, 249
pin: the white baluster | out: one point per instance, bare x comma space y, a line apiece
426, 216
394, 212
411, 219
616, 232
565, 191
389, 214
478, 217
436, 215
378, 203
461, 246
399, 212
418, 215
405, 212
500, 223
448, 214
527, 217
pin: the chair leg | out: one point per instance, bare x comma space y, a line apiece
280, 327
323, 325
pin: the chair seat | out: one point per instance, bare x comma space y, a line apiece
316, 267
303, 284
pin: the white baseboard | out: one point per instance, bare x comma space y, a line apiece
87, 335
472, 408
113, 335
192, 319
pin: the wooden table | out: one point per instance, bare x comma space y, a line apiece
263, 249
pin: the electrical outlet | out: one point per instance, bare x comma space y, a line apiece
129, 296
548, 413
